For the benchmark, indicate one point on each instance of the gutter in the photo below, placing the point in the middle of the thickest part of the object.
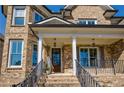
(76, 26)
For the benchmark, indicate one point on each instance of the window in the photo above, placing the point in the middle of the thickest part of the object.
(91, 22)
(82, 22)
(15, 54)
(37, 17)
(88, 57)
(87, 22)
(34, 55)
(19, 15)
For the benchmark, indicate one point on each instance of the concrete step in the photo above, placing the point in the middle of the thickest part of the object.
(62, 80)
(56, 84)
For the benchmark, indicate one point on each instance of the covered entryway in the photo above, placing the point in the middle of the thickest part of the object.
(75, 36)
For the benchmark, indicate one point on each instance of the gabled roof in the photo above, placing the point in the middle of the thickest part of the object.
(121, 22)
(106, 7)
(54, 20)
(108, 14)
(116, 20)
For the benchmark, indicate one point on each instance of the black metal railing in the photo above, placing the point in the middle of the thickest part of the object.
(86, 80)
(107, 66)
(101, 66)
(32, 79)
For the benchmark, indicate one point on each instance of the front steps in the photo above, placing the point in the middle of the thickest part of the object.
(62, 80)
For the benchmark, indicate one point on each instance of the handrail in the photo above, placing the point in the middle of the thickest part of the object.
(33, 77)
(108, 66)
(86, 80)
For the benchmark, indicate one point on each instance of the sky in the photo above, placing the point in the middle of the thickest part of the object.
(55, 8)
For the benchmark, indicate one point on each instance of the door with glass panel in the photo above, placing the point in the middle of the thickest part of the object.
(56, 59)
(88, 57)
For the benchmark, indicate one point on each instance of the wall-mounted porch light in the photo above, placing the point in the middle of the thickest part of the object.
(93, 42)
(54, 44)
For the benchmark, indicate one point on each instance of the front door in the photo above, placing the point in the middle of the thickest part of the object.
(56, 59)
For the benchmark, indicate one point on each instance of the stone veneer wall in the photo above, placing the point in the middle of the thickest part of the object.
(90, 12)
(67, 57)
(1, 51)
(115, 51)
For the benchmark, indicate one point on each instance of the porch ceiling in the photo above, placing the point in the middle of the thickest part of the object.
(80, 41)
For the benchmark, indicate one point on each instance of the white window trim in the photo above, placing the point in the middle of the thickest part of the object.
(98, 55)
(47, 20)
(38, 14)
(10, 49)
(13, 18)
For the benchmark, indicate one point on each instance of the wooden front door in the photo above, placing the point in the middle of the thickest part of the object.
(56, 59)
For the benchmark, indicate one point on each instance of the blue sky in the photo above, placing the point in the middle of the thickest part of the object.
(56, 8)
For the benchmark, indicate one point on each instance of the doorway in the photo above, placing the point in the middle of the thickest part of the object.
(56, 59)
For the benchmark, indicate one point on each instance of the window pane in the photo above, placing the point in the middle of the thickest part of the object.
(82, 22)
(14, 47)
(38, 17)
(34, 58)
(84, 57)
(87, 22)
(15, 55)
(19, 20)
(91, 22)
(15, 59)
(19, 47)
(35, 47)
(19, 13)
(93, 57)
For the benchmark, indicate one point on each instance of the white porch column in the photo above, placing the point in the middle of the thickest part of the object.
(74, 54)
(40, 41)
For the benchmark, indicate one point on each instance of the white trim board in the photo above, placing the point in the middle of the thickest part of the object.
(47, 20)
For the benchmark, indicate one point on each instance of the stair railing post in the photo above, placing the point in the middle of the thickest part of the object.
(96, 65)
(113, 66)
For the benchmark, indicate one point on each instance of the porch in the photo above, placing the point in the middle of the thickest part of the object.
(93, 46)
(93, 54)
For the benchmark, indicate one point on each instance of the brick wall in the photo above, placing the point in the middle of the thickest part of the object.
(90, 12)
(67, 57)
(15, 32)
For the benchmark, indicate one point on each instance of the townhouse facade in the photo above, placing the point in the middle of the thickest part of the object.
(89, 34)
